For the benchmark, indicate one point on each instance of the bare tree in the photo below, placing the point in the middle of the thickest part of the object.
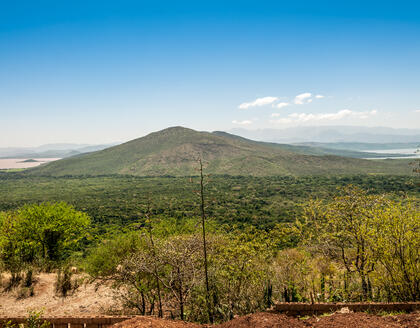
(155, 270)
(180, 254)
(203, 226)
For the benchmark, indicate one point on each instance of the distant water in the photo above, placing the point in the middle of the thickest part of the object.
(411, 152)
(17, 163)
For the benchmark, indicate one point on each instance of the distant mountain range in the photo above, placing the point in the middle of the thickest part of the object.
(50, 151)
(174, 151)
(317, 140)
(332, 134)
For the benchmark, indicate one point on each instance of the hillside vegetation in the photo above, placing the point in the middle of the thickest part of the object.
(260, 201)
(174, 151)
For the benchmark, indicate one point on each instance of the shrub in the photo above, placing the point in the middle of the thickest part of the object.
(34, 320)
(64, 284)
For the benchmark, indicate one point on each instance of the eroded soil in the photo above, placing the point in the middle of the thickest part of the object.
(274, 320)
(88, 299)
(91, 299)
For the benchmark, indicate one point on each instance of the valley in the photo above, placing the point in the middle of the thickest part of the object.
(129, 220)
(209, 164)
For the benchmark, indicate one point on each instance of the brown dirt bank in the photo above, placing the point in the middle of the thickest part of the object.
(98, 300)
(274, 320)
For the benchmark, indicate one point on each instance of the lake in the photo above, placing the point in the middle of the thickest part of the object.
(412, 152)
(19, 163)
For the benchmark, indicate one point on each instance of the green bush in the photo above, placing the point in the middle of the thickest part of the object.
(43, 235)
(34, 320)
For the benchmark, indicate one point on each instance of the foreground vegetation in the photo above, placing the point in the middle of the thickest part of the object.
(267, 239)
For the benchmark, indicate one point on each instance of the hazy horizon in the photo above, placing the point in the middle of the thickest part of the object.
(264, 134)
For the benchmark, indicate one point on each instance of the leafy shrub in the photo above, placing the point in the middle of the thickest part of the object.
(34, 320)
(41, 235)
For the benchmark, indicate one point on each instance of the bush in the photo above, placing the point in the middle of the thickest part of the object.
(41, 235)
(64, 284)
(34, 320)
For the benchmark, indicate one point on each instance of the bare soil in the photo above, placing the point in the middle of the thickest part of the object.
(275, 320)
(88, 299)
(264, 320)
(94, 300)
(153, 322)
(364, 320)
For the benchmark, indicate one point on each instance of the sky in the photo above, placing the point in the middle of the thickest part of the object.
(107, 71)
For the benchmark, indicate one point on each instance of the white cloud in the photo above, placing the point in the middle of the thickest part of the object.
(245, 122)
(275, 115)
(417, 111)
(304, 117)
(303, 98)
(282, 121)
(282, 104)
(258, 102)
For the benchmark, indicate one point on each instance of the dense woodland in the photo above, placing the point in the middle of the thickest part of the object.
(268, 239)
(240, 200)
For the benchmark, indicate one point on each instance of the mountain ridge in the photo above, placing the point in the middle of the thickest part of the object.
(175, 150)
(50, 150)
(330, 134)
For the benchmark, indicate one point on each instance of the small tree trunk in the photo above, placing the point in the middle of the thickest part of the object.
(181, 296)
(323, 287)
(143, 304)
(286, 295)
(346, 287)
(152, 306)
(369, 288)
(364, 287)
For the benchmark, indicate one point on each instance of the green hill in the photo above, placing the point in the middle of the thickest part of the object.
(174, 151)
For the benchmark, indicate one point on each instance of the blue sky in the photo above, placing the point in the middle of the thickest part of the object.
(98, 71)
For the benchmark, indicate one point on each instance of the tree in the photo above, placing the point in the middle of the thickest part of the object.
(181, 256)
(240, 267)
(371, 236)
(343, 231)
(15, 252)
(397, 248)
(37, 234)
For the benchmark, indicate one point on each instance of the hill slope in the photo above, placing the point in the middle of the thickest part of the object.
(174, 151)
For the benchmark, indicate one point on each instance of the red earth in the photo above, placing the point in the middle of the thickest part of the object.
(275, 320)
